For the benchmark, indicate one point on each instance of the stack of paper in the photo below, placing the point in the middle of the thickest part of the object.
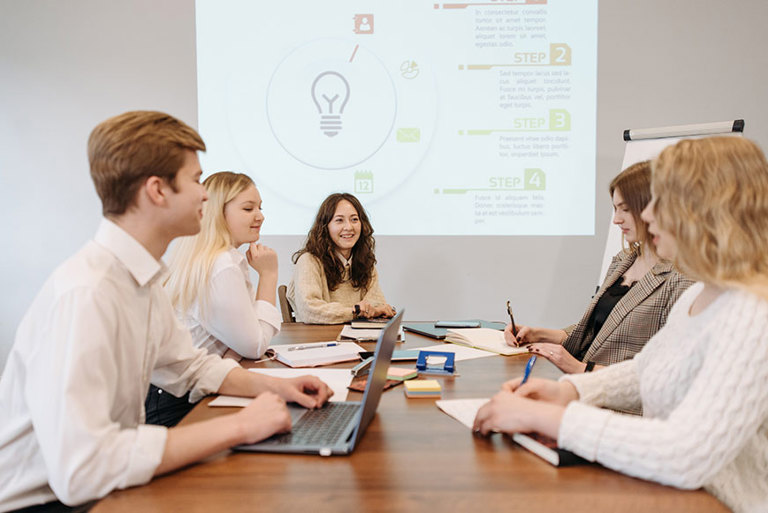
(369, 323)
(422, 388)
(483, 338)
(364, 334)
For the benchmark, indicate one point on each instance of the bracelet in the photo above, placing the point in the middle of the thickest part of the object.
(590, 366)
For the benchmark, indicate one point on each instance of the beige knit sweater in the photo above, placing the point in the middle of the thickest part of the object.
(313, 303)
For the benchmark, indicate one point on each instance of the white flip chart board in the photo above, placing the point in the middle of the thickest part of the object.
(646, 144)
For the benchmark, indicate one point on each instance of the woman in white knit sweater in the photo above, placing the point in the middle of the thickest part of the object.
(335, 278)
(702, 379)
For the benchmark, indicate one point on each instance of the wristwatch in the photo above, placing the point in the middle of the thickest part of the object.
(590, 366)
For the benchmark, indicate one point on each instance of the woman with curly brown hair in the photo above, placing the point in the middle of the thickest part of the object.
(335, 278)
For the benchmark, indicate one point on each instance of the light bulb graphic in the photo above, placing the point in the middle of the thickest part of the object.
(330, 92)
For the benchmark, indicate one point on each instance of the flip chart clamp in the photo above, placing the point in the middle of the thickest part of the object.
(448, 368)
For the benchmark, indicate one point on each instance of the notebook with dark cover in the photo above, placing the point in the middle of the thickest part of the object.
(428, 329)
(546, 448)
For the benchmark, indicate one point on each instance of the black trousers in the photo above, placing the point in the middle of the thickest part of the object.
(165, 409)
(56, 507)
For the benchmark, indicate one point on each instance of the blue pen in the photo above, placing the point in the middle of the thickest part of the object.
(313, 346)
(528, 369)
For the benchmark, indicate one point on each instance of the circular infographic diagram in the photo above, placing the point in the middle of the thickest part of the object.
(332, 115)
(331, 105)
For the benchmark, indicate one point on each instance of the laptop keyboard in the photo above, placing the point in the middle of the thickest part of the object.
(323, 426)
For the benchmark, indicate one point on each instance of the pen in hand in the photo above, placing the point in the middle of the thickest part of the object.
(528, 369)
(512, 320)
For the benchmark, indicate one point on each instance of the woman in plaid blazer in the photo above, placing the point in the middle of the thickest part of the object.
(633, 302)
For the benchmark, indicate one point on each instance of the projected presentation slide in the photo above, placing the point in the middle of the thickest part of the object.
(473, 118)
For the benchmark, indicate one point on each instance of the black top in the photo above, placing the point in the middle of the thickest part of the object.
(602, 310)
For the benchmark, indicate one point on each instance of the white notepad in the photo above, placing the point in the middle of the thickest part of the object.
(364, 334)
(463, 410)
(317, 353)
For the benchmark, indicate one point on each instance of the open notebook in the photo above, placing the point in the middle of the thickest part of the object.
(483, 338)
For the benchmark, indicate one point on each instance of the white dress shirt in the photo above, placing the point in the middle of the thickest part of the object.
(72, 393)
(233, 317)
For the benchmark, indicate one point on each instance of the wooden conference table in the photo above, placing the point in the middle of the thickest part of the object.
(413, 457)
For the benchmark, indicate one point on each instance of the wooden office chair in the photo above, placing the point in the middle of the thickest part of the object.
(285, 306)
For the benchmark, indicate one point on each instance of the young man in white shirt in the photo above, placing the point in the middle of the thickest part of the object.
(72, 393)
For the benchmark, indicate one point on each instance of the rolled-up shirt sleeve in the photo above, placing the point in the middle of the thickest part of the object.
(182, 368)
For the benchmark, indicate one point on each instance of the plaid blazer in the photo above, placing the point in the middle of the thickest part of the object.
(635, 318)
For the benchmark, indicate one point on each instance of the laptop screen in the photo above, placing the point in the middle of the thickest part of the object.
(377, 376)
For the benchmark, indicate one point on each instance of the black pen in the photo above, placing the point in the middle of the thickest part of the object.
(512, 319)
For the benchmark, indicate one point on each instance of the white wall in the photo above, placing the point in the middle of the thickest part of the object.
(65, 66)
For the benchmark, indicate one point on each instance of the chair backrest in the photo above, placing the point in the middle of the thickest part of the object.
(285, 306)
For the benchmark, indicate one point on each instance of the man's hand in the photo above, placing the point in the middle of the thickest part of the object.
(263, 417)
(308, 391)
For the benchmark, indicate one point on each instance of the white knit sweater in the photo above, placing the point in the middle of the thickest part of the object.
(703, 384)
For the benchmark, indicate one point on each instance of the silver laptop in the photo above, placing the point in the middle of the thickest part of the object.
(337, 427)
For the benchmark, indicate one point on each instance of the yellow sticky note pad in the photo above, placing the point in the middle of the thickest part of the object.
(422, 385)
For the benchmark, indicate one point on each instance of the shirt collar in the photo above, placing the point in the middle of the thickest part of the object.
(135, 257)
(238, 257)
(346, 263)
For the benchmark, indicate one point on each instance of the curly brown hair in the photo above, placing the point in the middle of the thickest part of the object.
(320, 245)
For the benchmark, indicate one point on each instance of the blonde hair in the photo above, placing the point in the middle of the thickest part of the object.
(192, 257)
(712, 195)
(125, 150)
(634, 185)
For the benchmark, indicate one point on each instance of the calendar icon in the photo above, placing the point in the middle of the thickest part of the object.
(363, 182)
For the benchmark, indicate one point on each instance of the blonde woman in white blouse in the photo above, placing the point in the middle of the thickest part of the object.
(210, 288)
(701, 380)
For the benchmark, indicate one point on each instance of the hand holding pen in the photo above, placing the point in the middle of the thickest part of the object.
(511, 332)
(517, 335)
(512, 320)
